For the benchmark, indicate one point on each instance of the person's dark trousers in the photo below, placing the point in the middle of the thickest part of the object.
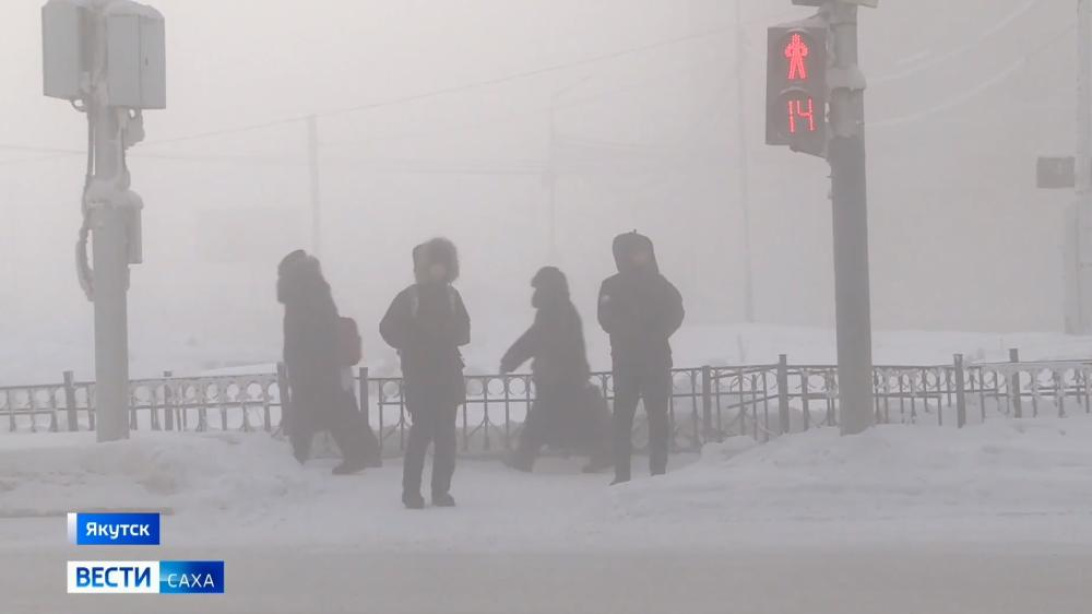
(436, 426)
(297, 426)
(352, 433)
(530, 441)
(300, 434)
(654, 388)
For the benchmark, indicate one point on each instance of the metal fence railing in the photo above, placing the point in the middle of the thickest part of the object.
(706, 404)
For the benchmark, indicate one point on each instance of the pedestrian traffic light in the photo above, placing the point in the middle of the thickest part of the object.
(796, 95)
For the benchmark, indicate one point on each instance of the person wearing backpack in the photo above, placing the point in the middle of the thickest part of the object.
(640, 310)
(316, 353)
(427, 323)
(568, 411)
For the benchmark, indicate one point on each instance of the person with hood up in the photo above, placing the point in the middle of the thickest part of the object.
(318, 399)
(640, 310)
(427, 323)
(568, 411)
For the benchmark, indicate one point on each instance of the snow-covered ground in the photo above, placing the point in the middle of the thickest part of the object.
(992, 519)
(1005, 482)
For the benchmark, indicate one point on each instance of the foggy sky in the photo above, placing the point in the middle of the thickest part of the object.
(963, 97)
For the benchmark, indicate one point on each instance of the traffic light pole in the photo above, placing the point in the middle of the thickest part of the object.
(850, 209)
(108, 207)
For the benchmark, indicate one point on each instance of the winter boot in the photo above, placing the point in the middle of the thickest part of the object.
(413, 501)
(597, 465)
(443, 500)
(349, 467)
(520, 462)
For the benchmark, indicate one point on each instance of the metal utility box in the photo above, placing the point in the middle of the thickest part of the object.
(1056, 173)
(65, 53)
(135, 56)
(136, 60)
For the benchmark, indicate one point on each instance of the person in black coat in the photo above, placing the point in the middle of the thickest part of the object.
(318, 400)
(427, 323)
(565, 411)
(640, 310)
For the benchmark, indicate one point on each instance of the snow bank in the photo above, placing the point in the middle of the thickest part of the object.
(989, 478)
(51, 474)
(1006, 482)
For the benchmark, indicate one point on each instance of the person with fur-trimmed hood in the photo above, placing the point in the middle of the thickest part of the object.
(318, 400)
(640, 310)
(427, 323)
(568, 411)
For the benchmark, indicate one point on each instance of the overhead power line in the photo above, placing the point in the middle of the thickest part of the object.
(472, 85)
(969, 94)
(930, 62)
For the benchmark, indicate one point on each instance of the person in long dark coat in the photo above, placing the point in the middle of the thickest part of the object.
(318, 400)
(427, 323)
(565, 412)
(640, 310)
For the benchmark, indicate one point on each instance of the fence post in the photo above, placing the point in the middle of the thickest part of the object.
(365, 401)
(70, 401)
(168, 402)
(707, 401)
(282, 387)
(1014, 385)
(961, 397)
(783, 393)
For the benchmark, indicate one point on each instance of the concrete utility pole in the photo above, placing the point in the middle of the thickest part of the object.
(110, 229)
(110, 56)
(551, 185)
(316, 194)
(850, 205)
(1079, 228)
(743, 158)
(552, 171)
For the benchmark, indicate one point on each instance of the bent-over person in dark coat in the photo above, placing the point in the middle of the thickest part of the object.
(568, 412)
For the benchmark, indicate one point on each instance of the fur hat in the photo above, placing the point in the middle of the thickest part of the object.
(625, 245)
(433, 251)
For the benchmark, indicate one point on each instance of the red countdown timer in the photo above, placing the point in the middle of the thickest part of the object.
(796, 96)
(800, 113)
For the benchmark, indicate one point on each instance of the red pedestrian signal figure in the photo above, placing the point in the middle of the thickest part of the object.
(797, 52)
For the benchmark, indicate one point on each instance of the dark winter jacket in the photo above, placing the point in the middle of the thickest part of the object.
(639, 308)
(555, 340)
(427, 323)
(310, 331)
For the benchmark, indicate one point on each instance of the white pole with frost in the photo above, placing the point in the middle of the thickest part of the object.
(744, 164)
(1079, 249)
(107, 58)
(316, 194)
(849, 192)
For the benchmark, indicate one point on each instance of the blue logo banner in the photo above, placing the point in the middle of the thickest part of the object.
(146, 577)
(189, 577)
(113, 529)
